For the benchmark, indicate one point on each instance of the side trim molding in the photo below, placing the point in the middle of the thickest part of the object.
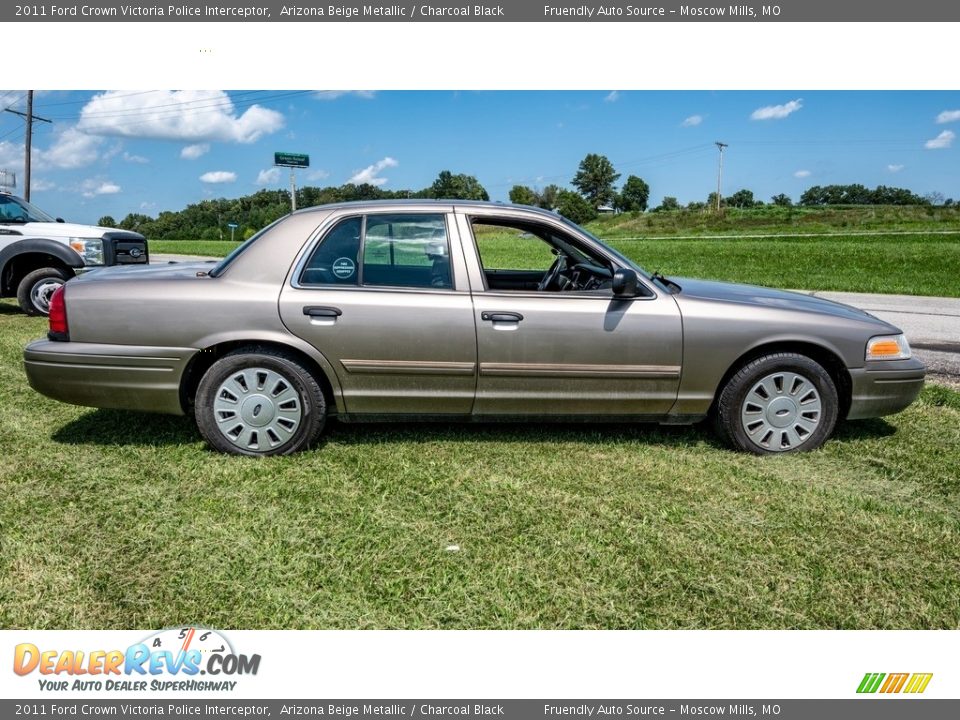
(653, 372)
(408, 367)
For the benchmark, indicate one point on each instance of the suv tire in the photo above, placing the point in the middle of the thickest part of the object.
(34, 291)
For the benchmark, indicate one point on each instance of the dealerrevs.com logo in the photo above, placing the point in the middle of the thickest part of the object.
(891, 683)
(173, 659)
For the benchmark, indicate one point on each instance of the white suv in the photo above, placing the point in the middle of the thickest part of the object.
(38, 253)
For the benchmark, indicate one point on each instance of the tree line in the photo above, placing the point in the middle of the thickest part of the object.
(594, 191)
(210, 219)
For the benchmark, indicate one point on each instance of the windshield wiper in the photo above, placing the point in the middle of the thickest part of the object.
(666, 282)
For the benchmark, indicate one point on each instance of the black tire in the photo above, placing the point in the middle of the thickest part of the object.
(264, 384)
(34, 291)
(785, 420)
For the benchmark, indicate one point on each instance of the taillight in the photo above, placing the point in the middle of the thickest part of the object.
(59, 330)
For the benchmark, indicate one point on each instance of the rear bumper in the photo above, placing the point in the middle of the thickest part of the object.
(885, 389)
(127, 377)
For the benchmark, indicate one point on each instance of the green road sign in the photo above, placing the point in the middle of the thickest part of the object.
(291, 159)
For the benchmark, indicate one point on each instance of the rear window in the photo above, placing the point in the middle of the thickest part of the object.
(218, 269)
(401, 250)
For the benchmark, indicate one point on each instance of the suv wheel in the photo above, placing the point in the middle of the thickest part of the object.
(259, 401)
(778, 403)
(37, 287)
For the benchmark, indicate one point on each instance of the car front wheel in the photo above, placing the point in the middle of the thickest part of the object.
(778, 403)
(36, 289)
(259, 401)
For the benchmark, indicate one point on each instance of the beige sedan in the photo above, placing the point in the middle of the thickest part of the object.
(460, 311)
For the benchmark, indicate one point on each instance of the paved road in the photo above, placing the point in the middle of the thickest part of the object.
(932, 324)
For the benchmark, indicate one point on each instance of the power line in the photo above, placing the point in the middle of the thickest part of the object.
(29, 117)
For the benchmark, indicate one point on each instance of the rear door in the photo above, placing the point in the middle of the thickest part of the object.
(384, 296)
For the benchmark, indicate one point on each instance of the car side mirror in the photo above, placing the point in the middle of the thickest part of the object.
(625, 283)
(60, 220)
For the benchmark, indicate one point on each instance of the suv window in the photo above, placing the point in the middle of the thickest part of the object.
(408, 250)
(13, 209)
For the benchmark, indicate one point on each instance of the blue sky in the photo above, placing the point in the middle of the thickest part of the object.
(115, 152)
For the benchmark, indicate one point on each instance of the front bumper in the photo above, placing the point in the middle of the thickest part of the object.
(885, 388)
(126, 377)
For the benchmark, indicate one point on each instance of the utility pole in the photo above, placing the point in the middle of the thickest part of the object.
(29, 117)
(293, 191)
(720, 147)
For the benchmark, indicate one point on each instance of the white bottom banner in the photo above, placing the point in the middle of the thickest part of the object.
(192, 661)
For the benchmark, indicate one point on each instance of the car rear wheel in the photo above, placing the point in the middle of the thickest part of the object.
(259, 401)
(36, 289)
(778, 403)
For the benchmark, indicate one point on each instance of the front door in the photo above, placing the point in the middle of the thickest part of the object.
(381, 297)
(565, 346)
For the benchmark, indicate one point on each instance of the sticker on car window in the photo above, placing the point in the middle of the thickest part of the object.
(344, 268)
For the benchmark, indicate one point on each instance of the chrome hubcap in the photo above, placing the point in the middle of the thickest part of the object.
(257, 409)
(41, 293)
(781, 411)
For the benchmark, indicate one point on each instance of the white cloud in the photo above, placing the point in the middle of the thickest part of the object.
(71, 149)
(93, 187)
(334, 94)
(941, 141)
(39, 184)
(11, 156)
(894, 168)
(192, 152)
(315, 175)
(692, 121)
(136, 159)
(613, 96)
(777, 112)
(111, 152)
(218, 176)
(268, 177)
(370, 174)
(192, 115)
(147, 205)
(802, 174)
(948, 116)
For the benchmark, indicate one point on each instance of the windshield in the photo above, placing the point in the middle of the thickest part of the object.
(15, 210)
(620, 256)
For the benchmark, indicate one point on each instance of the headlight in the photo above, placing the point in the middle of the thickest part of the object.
(888, 347)
(90, 249)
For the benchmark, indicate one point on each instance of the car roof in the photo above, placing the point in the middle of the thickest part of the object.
(425, 202)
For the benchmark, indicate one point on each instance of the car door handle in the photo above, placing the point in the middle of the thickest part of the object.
(511, 317)
(320, 315)
(325, 312)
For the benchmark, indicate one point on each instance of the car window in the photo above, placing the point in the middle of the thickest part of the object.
(510, 248)
(517, 255)
(407, 250)
(334, 261)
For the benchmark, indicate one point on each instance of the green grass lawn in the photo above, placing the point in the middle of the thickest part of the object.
(120, 520)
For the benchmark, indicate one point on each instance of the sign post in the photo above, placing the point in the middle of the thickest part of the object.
(232, 226)
(292, 161)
